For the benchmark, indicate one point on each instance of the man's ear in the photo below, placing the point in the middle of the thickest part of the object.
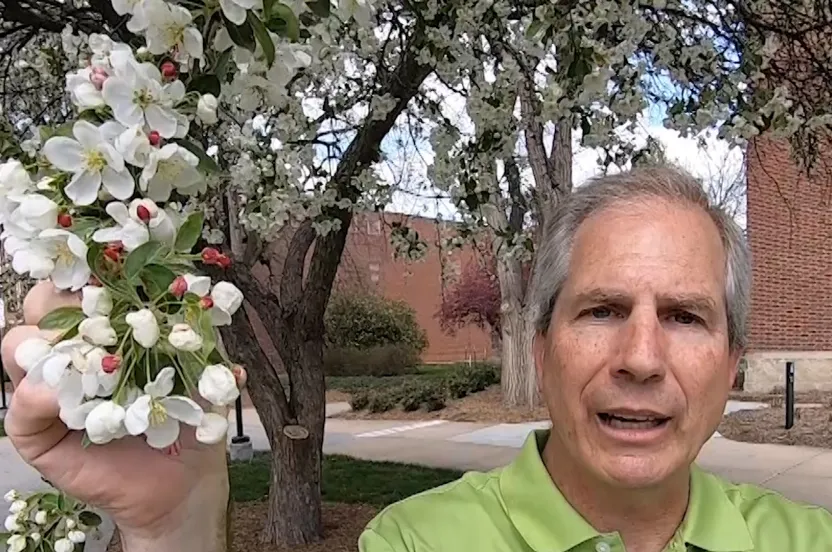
(539, 346)
(736, 357)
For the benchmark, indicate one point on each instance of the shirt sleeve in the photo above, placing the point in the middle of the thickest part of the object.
(372, 541)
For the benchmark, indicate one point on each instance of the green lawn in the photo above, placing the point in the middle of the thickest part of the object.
(345, 480)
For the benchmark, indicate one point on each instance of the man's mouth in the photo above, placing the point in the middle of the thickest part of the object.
(632, 421)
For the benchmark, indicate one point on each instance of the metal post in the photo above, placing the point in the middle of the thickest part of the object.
(3, 381)
(789, 395)
(238, 407)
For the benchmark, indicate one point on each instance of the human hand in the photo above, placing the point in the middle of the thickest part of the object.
(161, 501)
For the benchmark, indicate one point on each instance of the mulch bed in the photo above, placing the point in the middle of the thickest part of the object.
(486, 406)
(778, 397)
(343, 523)
(812, 427)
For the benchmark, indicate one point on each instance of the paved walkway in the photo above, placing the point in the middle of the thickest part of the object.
(801, 473)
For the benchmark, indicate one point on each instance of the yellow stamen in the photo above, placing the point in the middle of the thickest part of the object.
(158, 414)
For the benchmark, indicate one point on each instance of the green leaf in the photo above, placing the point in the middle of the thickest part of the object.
(280, 19)
(205, 84)
(221, 66)
(206, 164)
(49, 501)
(63, 318)
(241, 35)
(50, 132)
(320, 8)
(90, 519)
(535, 28)
(206, 330)
(189, 233)
(157, 279)
(263, 38)
(140, 258)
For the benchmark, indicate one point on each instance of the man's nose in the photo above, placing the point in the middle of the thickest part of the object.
(642, 347)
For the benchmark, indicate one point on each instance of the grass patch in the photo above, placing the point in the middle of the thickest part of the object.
(345, 480)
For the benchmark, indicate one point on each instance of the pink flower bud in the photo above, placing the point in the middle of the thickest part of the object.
(178, 287)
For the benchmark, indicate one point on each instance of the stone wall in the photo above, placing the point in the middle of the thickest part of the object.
(766, 371)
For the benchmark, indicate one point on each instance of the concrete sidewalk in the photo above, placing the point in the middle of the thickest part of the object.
(800, 473)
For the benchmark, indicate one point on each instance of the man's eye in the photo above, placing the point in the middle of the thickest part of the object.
(601, 312)
(685, 318)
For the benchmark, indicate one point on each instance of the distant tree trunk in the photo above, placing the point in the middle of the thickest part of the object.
(553, 181)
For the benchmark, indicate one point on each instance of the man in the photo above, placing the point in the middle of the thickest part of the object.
(643, 291)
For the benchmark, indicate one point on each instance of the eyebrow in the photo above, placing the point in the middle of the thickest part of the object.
(691, 301)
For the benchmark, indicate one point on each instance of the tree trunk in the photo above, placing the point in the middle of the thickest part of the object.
(295, 490)
(519, 381)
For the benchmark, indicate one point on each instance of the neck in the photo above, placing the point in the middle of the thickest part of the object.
(646, 519)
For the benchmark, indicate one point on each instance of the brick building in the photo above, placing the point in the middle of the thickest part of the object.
(790, 234)
(369, 265)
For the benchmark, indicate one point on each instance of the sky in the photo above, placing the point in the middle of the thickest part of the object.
(709, 163)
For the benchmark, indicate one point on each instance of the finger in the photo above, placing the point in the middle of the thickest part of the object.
(12, 340)
(240, 375)
(43, 299)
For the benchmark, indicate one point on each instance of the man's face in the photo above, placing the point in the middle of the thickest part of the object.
(636, 367)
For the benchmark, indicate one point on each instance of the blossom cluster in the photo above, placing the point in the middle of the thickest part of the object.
(93, 215)
(50, 517)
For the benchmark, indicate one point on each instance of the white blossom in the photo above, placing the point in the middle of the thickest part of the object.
(17, 506)
(145, 327)
(138, 97)
(92, 161)
(227, 299)
(206, 109)
(98, 331)
(130, 232)
(16, 543)
(170, 29)
(171, 167)
(212, 429)
(218, 385)
(137, 9)
(31, 352)
(76, 537)
(96, 301)
(105, 423)
(12, 524)
(41, 517)
(184, 338)
(11, 496)
(157, 415)
(235, 10)
(199, 285)
(58, 254)
(64, 545)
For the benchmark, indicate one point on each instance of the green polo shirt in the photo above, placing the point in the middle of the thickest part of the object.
(518, 509)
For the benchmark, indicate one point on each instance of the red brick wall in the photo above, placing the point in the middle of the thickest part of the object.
(369, 263)
(790, 234)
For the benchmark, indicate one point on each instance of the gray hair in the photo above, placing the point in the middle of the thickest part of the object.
(662, 183)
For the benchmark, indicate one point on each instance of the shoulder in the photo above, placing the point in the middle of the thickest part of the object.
(770, 517)
(437, 515)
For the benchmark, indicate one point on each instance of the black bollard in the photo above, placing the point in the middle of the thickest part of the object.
(789, 395)
(240, 437)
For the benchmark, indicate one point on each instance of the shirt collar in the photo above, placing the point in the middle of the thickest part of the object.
(539, 512)
(547, 522)
(713, 522)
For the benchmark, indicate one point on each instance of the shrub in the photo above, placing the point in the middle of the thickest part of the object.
(458, 386)
(430, 395)
(382, 402)
(384, 360)
(367, 321)
(480, 376)
(360, 400)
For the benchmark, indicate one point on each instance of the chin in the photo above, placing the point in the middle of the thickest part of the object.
(637, 472)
